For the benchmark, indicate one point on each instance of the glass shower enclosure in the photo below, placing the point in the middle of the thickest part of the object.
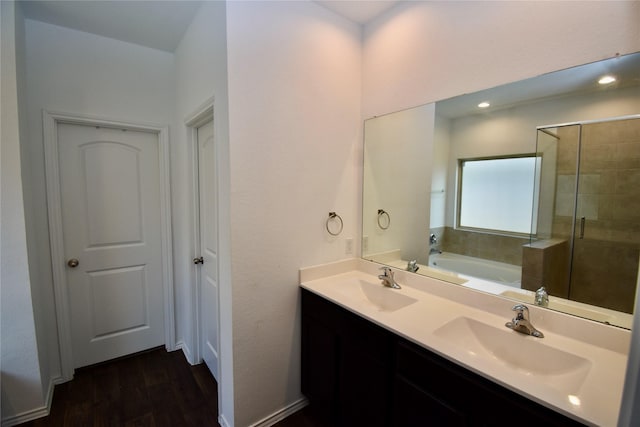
(588, 222)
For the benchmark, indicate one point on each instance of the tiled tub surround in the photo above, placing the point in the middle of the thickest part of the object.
(546, 263)
(494, 247)
(595, 401)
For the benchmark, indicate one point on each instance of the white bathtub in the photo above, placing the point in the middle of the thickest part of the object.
(498, 272)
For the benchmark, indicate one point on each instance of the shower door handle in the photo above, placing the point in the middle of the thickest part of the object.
(582, 228)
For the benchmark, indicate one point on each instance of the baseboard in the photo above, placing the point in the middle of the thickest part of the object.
(181, 345)
(223, 421)
(30, 415)
(282, 413)
(34, 414)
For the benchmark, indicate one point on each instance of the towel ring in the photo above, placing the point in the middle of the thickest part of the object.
(382, 213)
(333, 215)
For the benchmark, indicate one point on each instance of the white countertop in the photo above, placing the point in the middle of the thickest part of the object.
(604, 315)
(594, 400)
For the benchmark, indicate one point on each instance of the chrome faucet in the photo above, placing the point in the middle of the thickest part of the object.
(412, 266)
(521, 322)
(433, 239)
(542, 297)
(387, 278)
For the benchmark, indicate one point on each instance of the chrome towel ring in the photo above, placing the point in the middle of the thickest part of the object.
(381, 215)
(332, 218)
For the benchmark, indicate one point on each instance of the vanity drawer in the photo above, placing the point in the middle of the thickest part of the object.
(468, 398)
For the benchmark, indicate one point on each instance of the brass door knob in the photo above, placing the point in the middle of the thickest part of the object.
(198, 260)
(73, 263)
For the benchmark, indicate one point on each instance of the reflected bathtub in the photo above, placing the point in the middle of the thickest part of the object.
(498, 272)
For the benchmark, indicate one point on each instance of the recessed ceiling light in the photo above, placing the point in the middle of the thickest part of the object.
(483, 104)
(605, 80)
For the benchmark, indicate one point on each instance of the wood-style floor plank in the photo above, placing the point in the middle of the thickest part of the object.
(153, 388)
(149, 389)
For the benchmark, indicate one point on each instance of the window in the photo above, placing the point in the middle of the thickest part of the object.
(498, 194)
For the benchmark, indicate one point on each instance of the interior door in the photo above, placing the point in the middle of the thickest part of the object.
(208, 199)
(110, 197)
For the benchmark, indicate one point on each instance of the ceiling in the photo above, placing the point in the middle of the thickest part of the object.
(576, 80)
(158, 24)
(154, 24)
(359, 11)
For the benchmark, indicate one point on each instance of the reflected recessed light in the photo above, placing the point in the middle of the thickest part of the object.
(484, 104)
(605, 80)
(575, 400)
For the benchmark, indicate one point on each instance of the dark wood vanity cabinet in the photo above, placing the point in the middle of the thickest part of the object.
(355, 373)
(345, 365)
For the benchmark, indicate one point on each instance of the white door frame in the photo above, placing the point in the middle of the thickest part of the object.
(202, 115)
(50, 121)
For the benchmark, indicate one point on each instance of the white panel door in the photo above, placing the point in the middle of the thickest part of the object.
(110, 197)
(207, 175)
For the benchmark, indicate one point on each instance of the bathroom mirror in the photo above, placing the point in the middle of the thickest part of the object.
(538, 188)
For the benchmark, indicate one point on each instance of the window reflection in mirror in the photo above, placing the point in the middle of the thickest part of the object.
(420, 191)
(497, 194)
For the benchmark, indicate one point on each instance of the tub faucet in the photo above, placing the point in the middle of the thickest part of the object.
(521, 322)
(387, 278)
(412, 266)
(542, 297)
(432, 241)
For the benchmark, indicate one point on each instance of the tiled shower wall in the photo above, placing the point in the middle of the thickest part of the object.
(605, 262)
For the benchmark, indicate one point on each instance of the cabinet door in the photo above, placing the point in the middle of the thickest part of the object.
(414, 407)
(364, 381)
(319, 368)
(426, 392)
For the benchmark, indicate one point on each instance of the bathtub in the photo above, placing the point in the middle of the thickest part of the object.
(498, 272)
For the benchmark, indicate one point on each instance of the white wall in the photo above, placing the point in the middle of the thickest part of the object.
(295, 140)
(397, 178)
(76, 72)
(21, 382)
(201, 72)
(630, 410)
(45, 337)
(421, 52)
(440, 191)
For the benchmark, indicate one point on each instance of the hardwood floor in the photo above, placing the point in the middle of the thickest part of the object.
(152, 388)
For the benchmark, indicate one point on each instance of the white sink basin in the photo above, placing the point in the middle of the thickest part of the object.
(526, 355)
(375, 295)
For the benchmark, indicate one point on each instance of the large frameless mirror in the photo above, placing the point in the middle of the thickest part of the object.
(527, 185)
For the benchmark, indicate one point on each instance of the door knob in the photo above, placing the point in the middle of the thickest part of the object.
(198, 260)
(73, 263)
